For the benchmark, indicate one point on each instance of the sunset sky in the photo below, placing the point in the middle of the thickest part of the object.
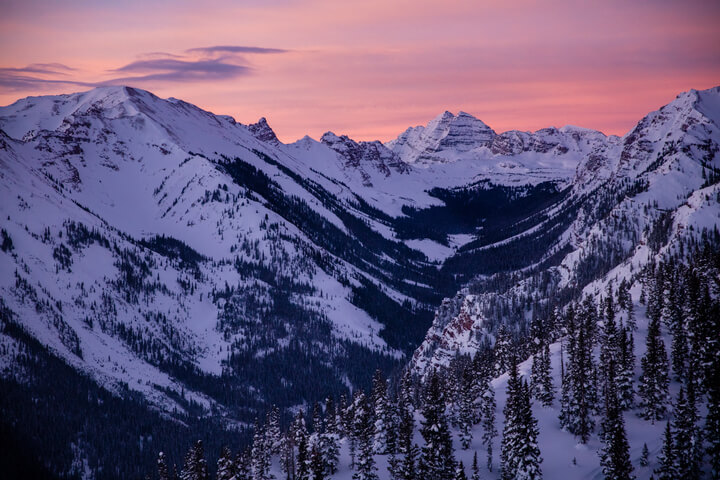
(370, 69)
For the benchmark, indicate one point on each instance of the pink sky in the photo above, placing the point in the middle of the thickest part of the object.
(370, 69)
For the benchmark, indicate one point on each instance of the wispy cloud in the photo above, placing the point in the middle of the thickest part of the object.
(36, 75)
(220, 62)
(171, 69)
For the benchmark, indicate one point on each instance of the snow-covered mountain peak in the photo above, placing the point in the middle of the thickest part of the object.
(445, 132)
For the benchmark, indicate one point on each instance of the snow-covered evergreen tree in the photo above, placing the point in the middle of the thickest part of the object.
(653, 387)
(488, 408)
(469, 413)
(645, 456)
(475, 475)
(712, 421)
(381, 413)
(260, 455)
(195, 466)
(615, 451)
(626, 369)
(503, 350)
(460, 472)
(579, 389)
(363, 429)
(437, 461)
(688, 438)
(225, 465)
(162, 467)
(667, 458)
(520, 454)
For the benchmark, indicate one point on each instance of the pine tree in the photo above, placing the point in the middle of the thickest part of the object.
(272, 431)
(520, 455)
(195, 466)
(329, 447)
(381, 413)
(260, 456)
(225, 465)
(406, 427)
(469, 413)
(712, 421)
(688, 441)
(625, 303)
(318, 424)
(653, 388)
(644, 457)
(162, 468)
(475, 469)
(330, 416)
(242, 466)
(579, 390)
(615, 452)
(667, 459)
(303, 458)
(546, 393)
(503, 350)
(460, 472)
(488, 409)
(626, 369)
(437, 461)
(363, 430)
(317, 466)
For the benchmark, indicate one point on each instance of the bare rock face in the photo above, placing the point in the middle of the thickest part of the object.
(365, 156)
(262, 131)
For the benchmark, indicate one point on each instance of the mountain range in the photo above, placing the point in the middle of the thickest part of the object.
(182, 266)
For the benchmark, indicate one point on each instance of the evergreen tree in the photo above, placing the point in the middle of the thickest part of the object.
(381, 413)
(460, 472)
(579, 391)
(488, 409)
(520, 455)
(410, 451)
(318, 424)
(688, 442)
(437, 461)
(625, 303)
(317, 465)
(667, 458)
(329, 447)
(303, 458)
(653, 388)
(470, 407)
(195, 466)
(260, 456)
(503, 350)
(615, 452)
(644, 457)
(546, 393)
(330, 416)
(225, 465)
(712, 421)
(242, 466)
(363, 429)
(273, 434)
(475, 469)
(626, 369)
(162, 468)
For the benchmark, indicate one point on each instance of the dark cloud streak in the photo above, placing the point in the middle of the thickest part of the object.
(234, 49)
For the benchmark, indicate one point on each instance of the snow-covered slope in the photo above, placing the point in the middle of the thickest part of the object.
(203, 264)
(633, 199)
